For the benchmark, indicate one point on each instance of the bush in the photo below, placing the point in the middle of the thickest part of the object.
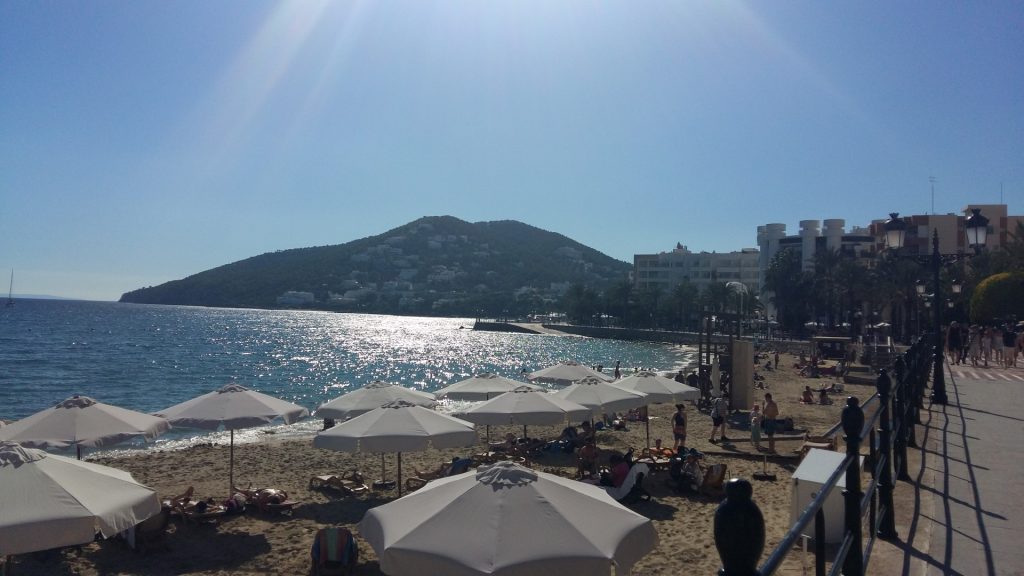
(998, 298)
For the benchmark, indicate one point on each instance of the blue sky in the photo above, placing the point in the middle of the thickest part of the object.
(144, 141)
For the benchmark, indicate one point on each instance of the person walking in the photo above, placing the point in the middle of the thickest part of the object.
(1009, 347)
(679, 427)
(771, 413)
(719, 411)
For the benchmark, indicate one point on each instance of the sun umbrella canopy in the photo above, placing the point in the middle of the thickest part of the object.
(51, 501)
(657, 388)
(527, 407)
(600, 396)
(397, 427)
(481, 387)
(566, 373)
(486, 523)
(82, 421)
(232, 406)
(370, 397)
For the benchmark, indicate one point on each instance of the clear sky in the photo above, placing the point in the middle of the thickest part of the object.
(142, 141)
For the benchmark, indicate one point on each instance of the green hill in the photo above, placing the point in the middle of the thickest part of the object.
(435, 265)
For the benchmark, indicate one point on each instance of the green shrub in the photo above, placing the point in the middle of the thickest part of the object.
(998, 297)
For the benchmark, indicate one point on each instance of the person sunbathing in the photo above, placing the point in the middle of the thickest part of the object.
(262, 497)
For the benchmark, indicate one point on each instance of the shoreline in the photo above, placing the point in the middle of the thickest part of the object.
(255, 544)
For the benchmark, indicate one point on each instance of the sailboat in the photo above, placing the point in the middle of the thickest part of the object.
(10, 293)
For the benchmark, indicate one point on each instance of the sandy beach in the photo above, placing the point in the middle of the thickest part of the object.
(256, 543)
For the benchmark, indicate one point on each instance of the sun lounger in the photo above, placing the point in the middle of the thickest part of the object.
(655, 459)
(268, 500)
(350, 483)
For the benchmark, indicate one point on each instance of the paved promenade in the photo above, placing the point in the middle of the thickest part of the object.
(963, 511)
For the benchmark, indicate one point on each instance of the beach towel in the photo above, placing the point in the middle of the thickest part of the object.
(335, 549)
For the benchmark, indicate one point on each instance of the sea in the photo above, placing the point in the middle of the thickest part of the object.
(150, 357)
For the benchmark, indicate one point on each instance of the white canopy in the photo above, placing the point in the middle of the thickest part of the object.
(657, 388)
(370, 397)
(600, 396)
(507, 520)
(232, 406)
(82, 421)
(397, 427)
(481, 387)
(566, 373)
(49, 501)
(527, 407)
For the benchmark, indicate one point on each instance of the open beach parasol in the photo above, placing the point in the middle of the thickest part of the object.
(370, 397)
(507, 520)
(50, 501)
(81, 421)
(600, 396)
(527, 407)
(481, 387)
(232, 406)
(397, 427)
(658, 389)
(566, 373)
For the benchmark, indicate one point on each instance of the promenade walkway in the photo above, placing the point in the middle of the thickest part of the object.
(963, 512)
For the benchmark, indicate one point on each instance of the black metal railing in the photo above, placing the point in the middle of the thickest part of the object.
(888, 431)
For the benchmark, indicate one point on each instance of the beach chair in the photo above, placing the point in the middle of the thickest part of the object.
(334, 553)
(151, 533)
(714, 480)
(350, 483)
(633, 480)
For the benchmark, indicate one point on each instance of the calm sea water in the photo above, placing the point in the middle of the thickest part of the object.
(150, 357)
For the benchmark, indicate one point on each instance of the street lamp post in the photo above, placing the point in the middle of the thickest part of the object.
(895, 234)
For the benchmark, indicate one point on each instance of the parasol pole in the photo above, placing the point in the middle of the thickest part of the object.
(399, 474)
(231, 467)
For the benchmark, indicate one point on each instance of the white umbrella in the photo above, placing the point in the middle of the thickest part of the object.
(50, 501)
(232, 406)
(370, 397)
(507, 520)
(601, 396)
(481, 387)
(658, 389)
(566, 373)
(81, 421)
(397, 427)
(527, 407)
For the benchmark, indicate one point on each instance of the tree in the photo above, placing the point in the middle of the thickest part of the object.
(683, 301)
(998, 298)
(791, 289)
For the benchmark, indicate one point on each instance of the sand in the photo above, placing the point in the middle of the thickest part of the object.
(256, 543)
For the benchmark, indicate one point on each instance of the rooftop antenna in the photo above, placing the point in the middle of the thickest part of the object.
(932, 180)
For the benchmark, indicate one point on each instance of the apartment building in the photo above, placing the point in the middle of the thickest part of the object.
(666, 269)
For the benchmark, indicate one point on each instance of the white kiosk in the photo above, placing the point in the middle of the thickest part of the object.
(808, 480)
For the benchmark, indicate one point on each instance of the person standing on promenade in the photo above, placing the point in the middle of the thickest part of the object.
(771, 413)
(618, 373)
(679, 428)
(1009, 347)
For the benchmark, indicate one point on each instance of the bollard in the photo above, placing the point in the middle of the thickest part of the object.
(853, 423)
(887, 527)
(739, 530)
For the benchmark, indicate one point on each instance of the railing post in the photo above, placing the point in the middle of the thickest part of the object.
(887, 528)
(853, 423)
(739, 530)
(905, 432)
